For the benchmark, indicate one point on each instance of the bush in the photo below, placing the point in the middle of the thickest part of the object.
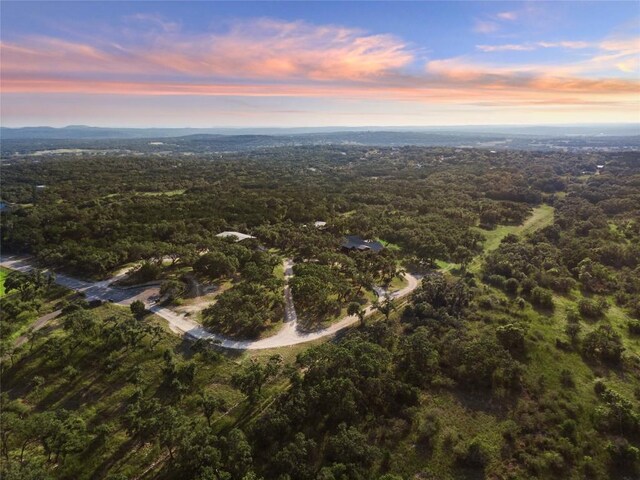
(511, 286)
(147, 272)
(603, 344)
(472, 455)
(634, 327)
(138, 309)
(496, 280)
(573, 330)
(511, 336)
(593, 308)
(624, 456)
(542, 297)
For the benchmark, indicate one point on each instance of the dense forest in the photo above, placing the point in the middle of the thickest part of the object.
(518, 357)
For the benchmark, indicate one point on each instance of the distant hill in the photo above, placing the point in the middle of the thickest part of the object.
(78, 132)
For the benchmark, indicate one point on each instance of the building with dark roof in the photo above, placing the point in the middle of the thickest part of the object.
(355, 243)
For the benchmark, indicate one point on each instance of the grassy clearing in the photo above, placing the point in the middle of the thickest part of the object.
(391, 246)
(446, 266)
(3, 275)
(541, 217)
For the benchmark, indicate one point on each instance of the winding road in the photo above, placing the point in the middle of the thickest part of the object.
(288, 335)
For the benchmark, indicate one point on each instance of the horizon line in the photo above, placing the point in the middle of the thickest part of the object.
(335, 126)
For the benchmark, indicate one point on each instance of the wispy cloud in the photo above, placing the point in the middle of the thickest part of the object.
(608, 55)
(154, 20)
(274, 58)
(510, 16)
(263, 48)
(485, 26)
(529, 46)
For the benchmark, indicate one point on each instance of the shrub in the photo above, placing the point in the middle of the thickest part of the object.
(542, 297)
(511, 286)
(634, 327)
(593, 308)
(566, 379)
(147, 272)
(473, 454)
(428, 429)
(573, 330)
(138, 309)
(624, 456)
(496, 280)
(511, 336)
(603, 344)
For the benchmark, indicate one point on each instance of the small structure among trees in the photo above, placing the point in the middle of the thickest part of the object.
(236, 235)
(355, 243)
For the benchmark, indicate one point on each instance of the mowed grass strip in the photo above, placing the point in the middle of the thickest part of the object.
(541, 217)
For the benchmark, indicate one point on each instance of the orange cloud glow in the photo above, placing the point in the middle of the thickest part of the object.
(269, 58)
(261, 48)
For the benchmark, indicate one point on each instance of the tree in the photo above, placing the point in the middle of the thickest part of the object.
(385, 306)
(210, 404)
(253, 376)
(419, 358)
(355, 309)
(463, 256)
(239, 456)
(147, 272)
(138, 309)
(172, 289)
(82, 325)
(171, 428)
(216, 264)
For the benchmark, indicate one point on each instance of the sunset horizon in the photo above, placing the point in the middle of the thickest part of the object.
(241, 64)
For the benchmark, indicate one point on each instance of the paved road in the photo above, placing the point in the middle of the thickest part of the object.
(288, 335)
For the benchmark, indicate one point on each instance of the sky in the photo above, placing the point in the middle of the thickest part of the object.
(302, 64)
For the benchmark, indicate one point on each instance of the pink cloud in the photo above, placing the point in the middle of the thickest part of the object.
(272, 58)
(258, 49)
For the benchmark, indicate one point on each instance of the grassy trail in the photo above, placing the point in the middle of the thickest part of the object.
(541, 217)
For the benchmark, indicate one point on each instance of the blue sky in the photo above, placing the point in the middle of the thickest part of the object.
(319, 63)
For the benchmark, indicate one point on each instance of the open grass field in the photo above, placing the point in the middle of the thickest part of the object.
(541, 217)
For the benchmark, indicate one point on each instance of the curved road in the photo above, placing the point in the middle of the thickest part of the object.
(288, 335)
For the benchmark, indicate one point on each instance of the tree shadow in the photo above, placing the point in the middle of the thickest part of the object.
(483, 401)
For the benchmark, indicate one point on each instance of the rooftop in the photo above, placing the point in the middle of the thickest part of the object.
(238, 236)
(354, 242)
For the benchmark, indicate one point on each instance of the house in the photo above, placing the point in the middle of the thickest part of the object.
(355, 243)
(237, 235)
(320, 225)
